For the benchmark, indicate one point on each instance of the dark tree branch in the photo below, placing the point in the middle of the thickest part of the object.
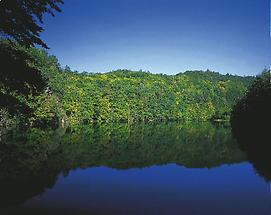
(21, 19)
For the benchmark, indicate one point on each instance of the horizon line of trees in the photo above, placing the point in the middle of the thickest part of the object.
(57, 94)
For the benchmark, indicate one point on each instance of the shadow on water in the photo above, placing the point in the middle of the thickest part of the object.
(257, 151)
(254, 140)
(32, 161)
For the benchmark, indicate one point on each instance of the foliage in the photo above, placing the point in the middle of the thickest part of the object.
(250, 122)
(130, 96)
(252, 113)
(20, 19)
(19, 79)
(6, 121)
(255, 105)
(24, 91)
(124, 95)
(17, 70)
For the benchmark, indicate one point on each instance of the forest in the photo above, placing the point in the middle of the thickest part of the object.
(49, 95)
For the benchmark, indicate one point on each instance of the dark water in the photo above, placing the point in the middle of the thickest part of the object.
(120, 169)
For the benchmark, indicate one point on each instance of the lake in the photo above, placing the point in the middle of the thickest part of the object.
(119, 169)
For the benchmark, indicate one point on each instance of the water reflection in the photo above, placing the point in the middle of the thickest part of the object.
(122, 169)
(254, 139)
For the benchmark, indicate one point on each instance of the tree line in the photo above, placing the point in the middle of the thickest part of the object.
(49, 95)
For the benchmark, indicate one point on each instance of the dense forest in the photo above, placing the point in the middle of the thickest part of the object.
(251, 114)
(49, 95)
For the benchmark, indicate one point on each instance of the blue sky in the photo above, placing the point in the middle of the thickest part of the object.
(162, 36)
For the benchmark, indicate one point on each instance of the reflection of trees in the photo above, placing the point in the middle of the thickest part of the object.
(123, 147)
(251, 124)
(31, 162)
(18, 190)
(258, 153)
(23, 170)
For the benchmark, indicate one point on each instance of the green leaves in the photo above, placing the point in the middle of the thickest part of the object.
(126, 96)
(132, 96)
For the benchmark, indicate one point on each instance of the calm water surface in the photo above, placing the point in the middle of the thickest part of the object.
(120, 169)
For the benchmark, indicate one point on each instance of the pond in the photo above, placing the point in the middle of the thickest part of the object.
(120, 169)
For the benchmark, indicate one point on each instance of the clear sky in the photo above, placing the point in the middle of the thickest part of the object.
(162, 36)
